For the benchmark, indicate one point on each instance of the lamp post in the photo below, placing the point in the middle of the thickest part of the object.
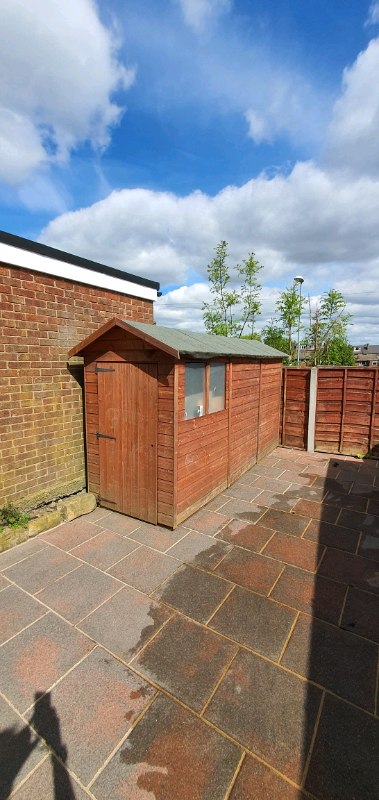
(300, 281)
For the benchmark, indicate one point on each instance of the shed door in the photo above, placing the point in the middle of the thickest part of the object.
(128, 409)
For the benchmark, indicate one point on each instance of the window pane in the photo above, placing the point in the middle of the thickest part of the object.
(216, 387)
(195, 390)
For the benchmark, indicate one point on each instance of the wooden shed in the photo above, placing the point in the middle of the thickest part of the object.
(174, 417)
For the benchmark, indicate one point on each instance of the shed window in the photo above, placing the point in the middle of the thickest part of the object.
(216, 387)
(195, 390)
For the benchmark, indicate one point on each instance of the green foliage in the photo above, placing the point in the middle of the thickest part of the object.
(256, 336)
(13, 517)
(289, 307)
(220, 315)
(327, 332)
(274, 336)
(250, 291)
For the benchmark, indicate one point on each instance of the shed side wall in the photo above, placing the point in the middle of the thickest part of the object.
(41, 318)
(117, 345)
(270, 402)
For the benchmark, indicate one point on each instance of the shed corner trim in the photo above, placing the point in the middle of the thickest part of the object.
(115, 322)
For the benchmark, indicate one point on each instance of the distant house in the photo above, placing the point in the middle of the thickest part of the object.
(366, 355)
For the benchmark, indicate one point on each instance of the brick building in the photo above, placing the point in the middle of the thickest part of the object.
(50, 301)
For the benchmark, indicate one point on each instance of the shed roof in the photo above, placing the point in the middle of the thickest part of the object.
(178, 343)
(206, 345)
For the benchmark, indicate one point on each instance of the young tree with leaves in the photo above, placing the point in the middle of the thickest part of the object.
(289, 306)
(221, 316)
(327, 332)
(250, 292)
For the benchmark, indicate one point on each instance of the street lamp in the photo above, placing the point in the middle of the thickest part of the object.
(300, 281)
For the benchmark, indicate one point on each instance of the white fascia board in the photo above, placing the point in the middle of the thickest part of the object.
(60, 269)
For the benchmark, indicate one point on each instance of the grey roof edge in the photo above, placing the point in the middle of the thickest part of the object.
(204, 345)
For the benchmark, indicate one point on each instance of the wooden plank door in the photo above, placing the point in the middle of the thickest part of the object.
(128, 464)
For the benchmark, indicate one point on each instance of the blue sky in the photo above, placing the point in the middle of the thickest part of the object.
(141, 133)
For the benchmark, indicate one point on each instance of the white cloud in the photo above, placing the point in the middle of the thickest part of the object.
(322, 224)
(353, 136)
(373, 15)
(58, 70)
(198, 12)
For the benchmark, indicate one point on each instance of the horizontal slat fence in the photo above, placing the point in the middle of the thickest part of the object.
(347, 409)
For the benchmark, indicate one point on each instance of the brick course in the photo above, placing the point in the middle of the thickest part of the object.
(41, 410)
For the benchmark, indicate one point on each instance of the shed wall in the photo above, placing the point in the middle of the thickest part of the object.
(41, 318)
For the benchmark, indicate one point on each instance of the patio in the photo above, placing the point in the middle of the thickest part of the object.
(235, 657)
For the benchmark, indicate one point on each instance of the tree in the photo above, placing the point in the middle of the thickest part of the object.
(250, 291)
(218, 316)
(231, 310)
(327, 332)
(274, 336)
(289, 306)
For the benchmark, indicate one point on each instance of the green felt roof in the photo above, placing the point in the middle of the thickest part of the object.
(206, 345)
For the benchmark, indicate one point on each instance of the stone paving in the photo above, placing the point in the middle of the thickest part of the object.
(235, 657)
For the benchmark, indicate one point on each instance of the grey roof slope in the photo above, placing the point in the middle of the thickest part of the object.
(206, 345)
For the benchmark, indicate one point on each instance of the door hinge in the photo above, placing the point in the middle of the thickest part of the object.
(104, 500)
(99, 369)
(103, 436)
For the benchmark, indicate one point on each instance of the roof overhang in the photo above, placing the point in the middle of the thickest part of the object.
(120, 323)
(19, 252)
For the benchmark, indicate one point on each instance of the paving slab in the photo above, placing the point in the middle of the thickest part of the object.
(351, 569)
(77, 594)
(125, 623)
(345, 664)
(199, 550)
(285, 522)
(205, 521)
(345, 757)
(312, 594)
(267, 710)
(119, 523)
(186, 659)
(20, 552)
(250, 570)
(195, 593)
(298, 552)
(361, 614)
(108, 698)
(245, 534)
(256, 781)
(155, 536)
(170, 754)
(20, 750)
(71, 534)
(254, 621)
(51, 781)
(144, 569)
(105, 549)
(37, 657)
(332, 535)
(41, 569)
(17, 611)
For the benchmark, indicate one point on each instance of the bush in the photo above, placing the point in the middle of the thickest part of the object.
(13, 517)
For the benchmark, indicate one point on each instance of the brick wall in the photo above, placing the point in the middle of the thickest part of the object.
(41, 411)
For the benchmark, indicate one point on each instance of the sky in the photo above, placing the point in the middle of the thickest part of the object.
(140, 134)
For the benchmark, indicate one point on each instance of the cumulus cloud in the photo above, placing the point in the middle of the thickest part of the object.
(59, 68)
(353, 139)
(309, 217)
(198, 12)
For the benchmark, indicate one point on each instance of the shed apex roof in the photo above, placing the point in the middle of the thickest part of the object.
(206, 345)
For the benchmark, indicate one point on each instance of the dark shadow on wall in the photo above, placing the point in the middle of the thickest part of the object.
(17, 746)
(77, 372)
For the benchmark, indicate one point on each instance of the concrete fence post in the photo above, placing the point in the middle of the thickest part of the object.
(312, 410)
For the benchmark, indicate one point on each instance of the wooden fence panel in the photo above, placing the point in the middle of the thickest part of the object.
(347, 409)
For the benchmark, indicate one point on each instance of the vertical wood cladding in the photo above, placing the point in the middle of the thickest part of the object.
(41, 318)
(347, 409)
